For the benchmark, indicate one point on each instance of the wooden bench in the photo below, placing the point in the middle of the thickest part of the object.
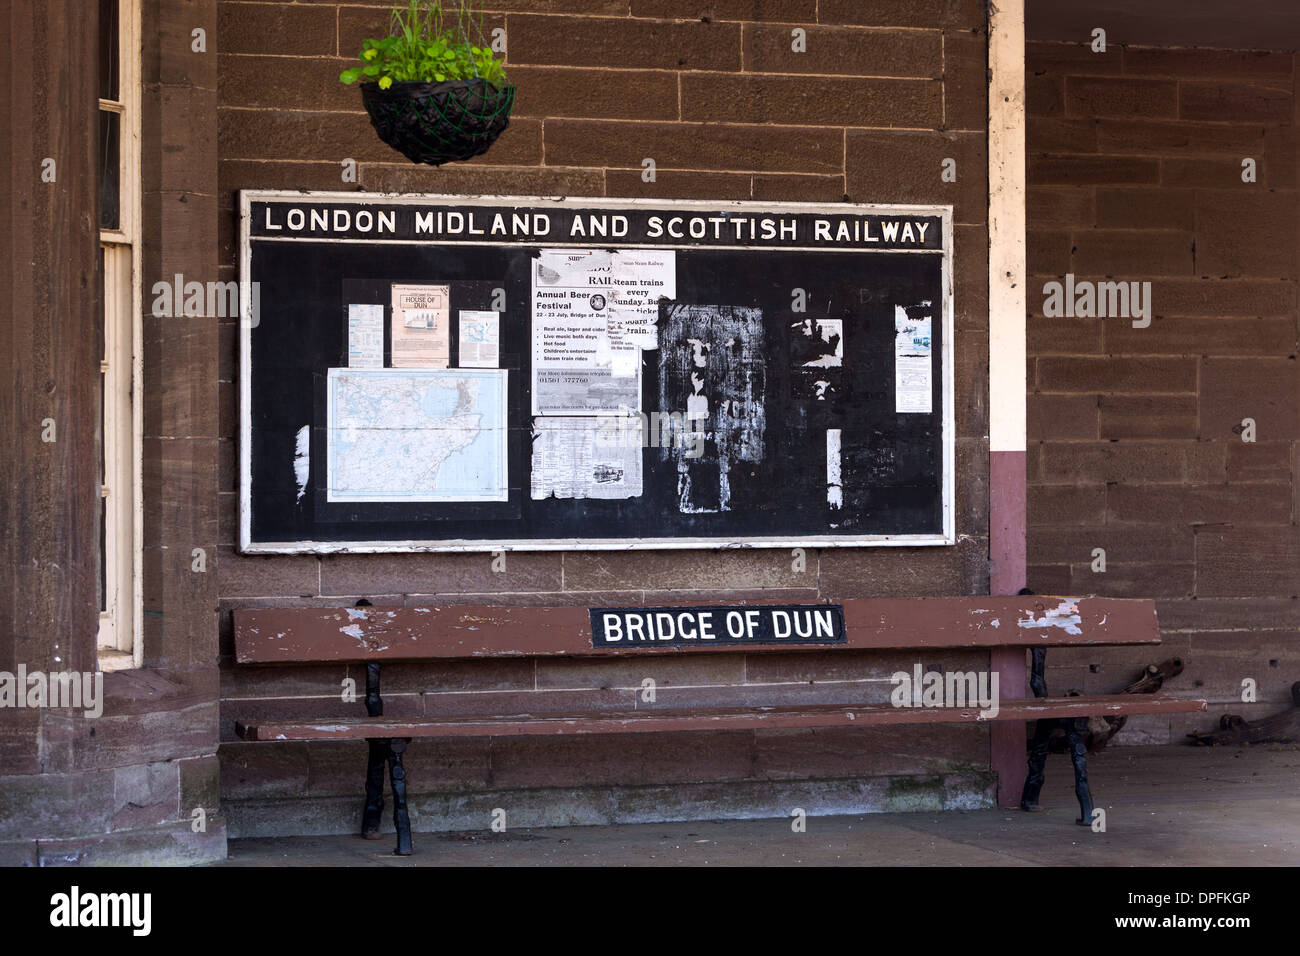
(373, 635)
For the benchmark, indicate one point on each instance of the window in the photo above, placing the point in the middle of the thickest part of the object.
(120, 423)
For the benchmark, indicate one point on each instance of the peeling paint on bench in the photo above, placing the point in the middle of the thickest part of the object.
(1065, 616)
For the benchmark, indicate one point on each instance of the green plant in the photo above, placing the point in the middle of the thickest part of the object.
(425, 45)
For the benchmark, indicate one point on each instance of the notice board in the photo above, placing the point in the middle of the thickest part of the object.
(447, 373)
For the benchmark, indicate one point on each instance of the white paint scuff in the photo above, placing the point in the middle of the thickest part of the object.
(1065, 616)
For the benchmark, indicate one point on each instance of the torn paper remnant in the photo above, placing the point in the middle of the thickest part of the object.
(302, 460)
(834, 486)
(587, 457)
(817, 343)
(712, 361)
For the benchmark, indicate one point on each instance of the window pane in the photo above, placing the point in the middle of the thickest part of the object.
(108, 57)
(109, 127)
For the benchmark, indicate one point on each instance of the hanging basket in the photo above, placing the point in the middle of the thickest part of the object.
(438, 123)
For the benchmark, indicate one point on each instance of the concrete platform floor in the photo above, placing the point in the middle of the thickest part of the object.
(1165, 806)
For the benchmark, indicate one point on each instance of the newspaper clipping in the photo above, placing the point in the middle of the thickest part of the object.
(576, 458)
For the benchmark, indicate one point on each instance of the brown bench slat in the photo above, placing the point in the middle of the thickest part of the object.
(731, 718)
(297, 635)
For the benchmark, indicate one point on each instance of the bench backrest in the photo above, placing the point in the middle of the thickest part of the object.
(289, 635)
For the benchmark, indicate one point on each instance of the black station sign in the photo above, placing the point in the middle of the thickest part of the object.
(627, 627)
(303, 218)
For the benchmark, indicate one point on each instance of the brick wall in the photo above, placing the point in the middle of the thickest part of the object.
(1135, 444)
(713, 93)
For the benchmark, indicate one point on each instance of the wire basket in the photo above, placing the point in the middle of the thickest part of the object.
(436, 123)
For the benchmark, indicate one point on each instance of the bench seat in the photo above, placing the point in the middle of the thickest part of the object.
(1006, 627)
(722, 718)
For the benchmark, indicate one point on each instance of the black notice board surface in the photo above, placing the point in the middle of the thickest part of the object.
(798, 391)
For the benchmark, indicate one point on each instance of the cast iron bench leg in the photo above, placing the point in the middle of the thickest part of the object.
(1042, 733)
(374, 809)
(1037, 763)
(1075, 731)
(373, 812)
(397, 774)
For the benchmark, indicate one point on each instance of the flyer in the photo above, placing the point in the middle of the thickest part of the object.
(420, 326)
(913, 388)
(574, 372)
(575, 458)
(365, 336)
(639, 278)
(480, 339)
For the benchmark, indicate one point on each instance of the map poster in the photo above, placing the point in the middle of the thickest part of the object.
(421, 326)
(480, 339)
(912, 361)
(416, 435)
(574, 371)
(581, 458)
(365, 336)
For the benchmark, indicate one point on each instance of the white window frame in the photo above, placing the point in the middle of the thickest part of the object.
(119, 640)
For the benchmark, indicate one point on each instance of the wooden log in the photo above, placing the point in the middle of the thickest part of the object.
(1102, 729)
(1283, 728)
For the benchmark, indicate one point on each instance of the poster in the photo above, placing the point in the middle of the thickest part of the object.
(586, 458)
(416, 435)
(912, 360)
(365, 336)
(574, 372)
(420, 326)
(639, 278)
(480, 339)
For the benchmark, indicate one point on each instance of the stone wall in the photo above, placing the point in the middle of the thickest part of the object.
(1136, 433)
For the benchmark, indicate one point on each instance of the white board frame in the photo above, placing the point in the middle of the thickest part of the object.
(948, 469)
